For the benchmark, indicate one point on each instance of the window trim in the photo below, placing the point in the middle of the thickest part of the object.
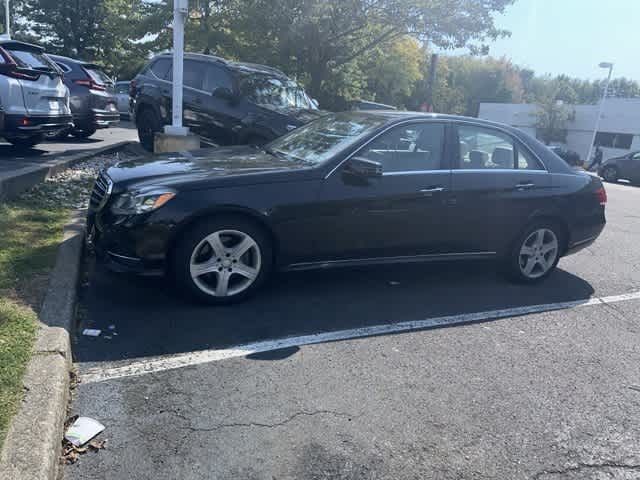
(445, 147)
(517, 145)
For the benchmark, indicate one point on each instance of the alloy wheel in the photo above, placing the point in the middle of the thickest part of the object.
(538, 253)
(225, 263)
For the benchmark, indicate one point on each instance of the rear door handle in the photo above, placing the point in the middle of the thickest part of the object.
(525, 185)
(431, 190)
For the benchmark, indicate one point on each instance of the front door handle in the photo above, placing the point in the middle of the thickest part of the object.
(525, 185)
(432, 190)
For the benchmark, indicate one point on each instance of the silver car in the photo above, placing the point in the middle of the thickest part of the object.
(33, 98)
(122, 98)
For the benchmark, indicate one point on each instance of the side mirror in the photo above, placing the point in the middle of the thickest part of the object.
(364, 168)
(224, 94)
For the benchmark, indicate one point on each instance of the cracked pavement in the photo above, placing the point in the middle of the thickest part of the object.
(549, 396)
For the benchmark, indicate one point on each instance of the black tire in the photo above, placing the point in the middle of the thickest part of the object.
(514, 260)
(24, 143)
(83, 133)
(188, 246)
(610, 174)
(148, 124)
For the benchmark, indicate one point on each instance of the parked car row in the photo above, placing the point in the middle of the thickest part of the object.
(49, 96)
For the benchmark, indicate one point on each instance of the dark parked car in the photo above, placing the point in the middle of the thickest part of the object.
(351, 188)
(224, 102)
(626, 167)
(92, 99)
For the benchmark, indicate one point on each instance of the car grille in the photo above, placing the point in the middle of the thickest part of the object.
(101, 192)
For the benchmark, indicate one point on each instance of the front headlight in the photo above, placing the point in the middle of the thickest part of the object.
(133, 203)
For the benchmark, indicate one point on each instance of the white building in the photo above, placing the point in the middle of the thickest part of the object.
(619, 130)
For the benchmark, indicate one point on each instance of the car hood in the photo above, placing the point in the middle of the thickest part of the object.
(201, 165)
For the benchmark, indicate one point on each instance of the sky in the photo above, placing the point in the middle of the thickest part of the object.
(572, 36)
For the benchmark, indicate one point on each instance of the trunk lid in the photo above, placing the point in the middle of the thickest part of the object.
(46, 94)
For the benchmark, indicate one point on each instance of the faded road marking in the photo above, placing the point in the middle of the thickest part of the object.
(171, 362)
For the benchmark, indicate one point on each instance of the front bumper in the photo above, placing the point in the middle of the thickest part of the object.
(28, 125)
(129, 245)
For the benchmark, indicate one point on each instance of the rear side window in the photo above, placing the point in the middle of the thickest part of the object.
(193, 74)
(33, 60)
(161, 69)
(216, 77)
(487, 149)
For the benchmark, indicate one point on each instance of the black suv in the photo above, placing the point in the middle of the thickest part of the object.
(92, 97)
(224, 102)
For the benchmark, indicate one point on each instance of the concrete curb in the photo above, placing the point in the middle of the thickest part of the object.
(33, 445)
(12, 183)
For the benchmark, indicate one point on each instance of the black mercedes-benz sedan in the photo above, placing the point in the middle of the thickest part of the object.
(348, 189)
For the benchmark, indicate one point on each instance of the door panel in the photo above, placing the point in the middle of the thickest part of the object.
(496, 189)
(402, 212)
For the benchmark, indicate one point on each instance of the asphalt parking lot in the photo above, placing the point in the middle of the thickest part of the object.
(553, 394)
(12, 158)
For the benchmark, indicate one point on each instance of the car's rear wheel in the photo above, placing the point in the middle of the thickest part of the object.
(86, 133)
(223, 260)
(610, 174)
(536, 253)
(148, 124)
(26, 142)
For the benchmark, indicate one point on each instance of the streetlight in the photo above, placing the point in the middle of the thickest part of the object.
(604, 96)
(180, 10)
(7, 30)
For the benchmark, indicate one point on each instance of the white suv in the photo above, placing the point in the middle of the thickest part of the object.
(33, 98)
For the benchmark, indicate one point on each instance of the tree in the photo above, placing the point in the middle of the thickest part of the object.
(552, 118)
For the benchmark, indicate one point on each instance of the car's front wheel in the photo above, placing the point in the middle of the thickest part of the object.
(148, 124)
(223, 260)
(535, 253)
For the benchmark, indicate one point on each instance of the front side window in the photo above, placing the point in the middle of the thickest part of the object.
(408, 148)
(274, 92)
(320, 140)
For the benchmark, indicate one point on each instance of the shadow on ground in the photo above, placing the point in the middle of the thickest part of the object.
(150, 318)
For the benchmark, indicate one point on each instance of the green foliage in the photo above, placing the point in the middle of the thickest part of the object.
(551, 121)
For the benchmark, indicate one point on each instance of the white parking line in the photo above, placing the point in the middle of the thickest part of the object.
(159, 364)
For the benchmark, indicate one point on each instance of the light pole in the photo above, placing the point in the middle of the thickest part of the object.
(7, 30)
(180, 10)
(604, 96)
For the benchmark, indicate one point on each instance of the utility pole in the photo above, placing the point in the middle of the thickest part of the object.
(7, 30)
(604, 97)
(180, 11)
(431, 81)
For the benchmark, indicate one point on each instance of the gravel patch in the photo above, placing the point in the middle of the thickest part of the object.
(72, 187)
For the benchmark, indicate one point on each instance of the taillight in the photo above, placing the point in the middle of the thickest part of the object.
(601, 193)
(91, 84)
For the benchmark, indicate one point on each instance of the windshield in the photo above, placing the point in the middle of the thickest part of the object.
(275, 92)
(320, 140)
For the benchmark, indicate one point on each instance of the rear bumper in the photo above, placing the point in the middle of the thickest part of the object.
(26, 125)
(584, 237)
(97, 119)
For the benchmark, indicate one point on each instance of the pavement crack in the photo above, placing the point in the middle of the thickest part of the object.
(269, 425)
(588, 466)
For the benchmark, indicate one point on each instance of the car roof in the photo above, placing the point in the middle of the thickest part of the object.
(61, 58)
(242, 67)
(8, 43)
